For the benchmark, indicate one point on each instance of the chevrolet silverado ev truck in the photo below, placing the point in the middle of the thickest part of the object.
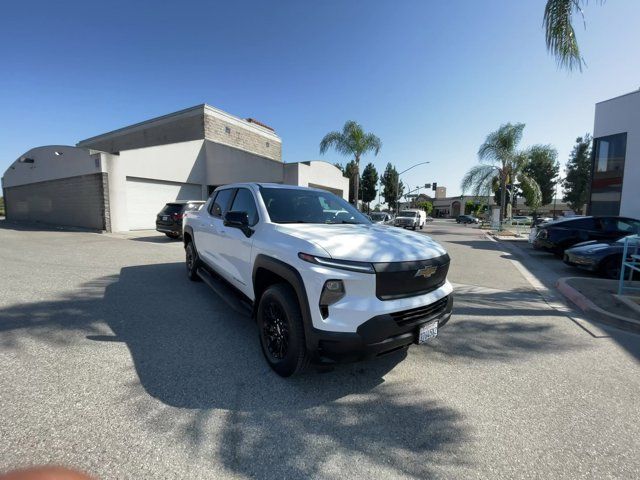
(323, 283)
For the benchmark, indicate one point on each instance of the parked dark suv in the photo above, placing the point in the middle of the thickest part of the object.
(169, 220)
(560, 235)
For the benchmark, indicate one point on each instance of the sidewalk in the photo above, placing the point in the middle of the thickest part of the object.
(598, 297)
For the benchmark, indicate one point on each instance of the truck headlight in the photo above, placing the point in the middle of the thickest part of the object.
(362, 267)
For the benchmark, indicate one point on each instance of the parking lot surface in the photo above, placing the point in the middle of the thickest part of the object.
(113, 362)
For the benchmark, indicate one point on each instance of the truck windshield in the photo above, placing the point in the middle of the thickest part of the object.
(376, 217)
(408, 214)
(290, 205)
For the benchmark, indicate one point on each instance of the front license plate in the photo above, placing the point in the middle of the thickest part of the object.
(428, 331)
(165, 218)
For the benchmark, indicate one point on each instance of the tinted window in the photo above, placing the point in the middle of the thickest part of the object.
(620, 225)
(171, 208)
(289, 205)
(244, 203)
(408, 214)
(221, 203)
(608, 172)
(580, 223)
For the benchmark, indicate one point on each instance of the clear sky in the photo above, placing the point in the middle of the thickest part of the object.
(430, 78)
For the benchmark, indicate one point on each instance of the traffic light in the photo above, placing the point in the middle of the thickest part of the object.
(427, 185)
(434, 186)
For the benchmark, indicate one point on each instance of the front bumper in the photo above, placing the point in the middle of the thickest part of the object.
(586, 263)
(544, 244)
(379, 335)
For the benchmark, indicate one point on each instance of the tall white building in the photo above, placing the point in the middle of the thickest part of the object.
(615, 185)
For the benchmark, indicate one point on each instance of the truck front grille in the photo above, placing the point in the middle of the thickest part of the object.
(408, 279)
(414, 315)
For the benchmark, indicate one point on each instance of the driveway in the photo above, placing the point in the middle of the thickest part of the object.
(113, 362)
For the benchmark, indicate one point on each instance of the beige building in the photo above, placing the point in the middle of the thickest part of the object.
(119, 181)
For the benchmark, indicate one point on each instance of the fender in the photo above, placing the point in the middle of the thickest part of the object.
(291, 275)
(189, 229)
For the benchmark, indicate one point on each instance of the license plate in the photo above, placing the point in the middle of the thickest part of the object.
(427, 331)
(165, 218)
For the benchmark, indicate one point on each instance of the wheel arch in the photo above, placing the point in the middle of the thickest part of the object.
(268, 271)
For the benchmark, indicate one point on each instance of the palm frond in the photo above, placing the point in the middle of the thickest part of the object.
(560, 35)
(501, 144)
(531, 190)
(332, 139)
(479, 179)
(372, 143)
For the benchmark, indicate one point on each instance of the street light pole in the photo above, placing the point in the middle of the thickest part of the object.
(398, 184)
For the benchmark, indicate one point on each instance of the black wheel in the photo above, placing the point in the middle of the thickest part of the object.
(173, 235)
(281, 330)
(421, 226)
(611, 267)
(192, 262)
(413, 228)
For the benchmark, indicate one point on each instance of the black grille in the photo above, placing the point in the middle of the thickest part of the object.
(401, 279)
(414, 315)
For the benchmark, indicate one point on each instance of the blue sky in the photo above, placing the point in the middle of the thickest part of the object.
(430, 78)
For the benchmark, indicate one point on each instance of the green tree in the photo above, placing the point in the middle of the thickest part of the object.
(426, 206)
(390, 190)
(543, 168)
(352, 141)
(501, 163)
(578, 174)
(560, 35)
(368, 190)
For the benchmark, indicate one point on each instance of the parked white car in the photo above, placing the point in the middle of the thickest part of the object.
(323, 283)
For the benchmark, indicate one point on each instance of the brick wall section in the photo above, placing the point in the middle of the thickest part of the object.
(215, 129)
(74, 201)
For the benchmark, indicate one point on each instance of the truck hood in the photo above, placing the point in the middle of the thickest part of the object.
(366, 243)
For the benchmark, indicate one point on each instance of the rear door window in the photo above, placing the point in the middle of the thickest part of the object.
(220, 203)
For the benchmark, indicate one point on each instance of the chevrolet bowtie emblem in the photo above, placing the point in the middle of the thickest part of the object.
(426, 272)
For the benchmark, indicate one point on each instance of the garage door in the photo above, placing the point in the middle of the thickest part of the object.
(145, 198)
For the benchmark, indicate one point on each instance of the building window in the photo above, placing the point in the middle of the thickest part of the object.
(227, 130)
(607, 174)
(267, 144)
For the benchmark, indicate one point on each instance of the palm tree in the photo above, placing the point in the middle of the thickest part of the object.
(352, 141)
(502, 163)
(559, 33)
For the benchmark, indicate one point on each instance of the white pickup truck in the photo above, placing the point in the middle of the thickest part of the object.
(323, 283)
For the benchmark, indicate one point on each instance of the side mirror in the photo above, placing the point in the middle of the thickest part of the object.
(236, 220)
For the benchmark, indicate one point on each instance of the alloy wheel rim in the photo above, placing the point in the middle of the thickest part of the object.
(275, 331)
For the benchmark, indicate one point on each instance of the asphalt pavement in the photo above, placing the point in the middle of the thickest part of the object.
(113, 362)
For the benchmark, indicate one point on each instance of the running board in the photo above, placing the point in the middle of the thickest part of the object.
(226, 292)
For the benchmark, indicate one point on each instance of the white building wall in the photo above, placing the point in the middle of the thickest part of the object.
(619, 115)
(49, 166)
(317, 174)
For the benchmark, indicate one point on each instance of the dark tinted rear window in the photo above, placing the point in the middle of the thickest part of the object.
(171, 208)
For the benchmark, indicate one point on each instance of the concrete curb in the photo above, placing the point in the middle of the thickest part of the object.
(587, 306)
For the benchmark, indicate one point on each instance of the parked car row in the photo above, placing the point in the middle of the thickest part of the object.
(591, 243)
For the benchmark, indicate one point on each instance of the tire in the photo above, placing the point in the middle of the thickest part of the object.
(192, 262)
(421, 226)
(610, 267)
(174, 236)
(413, 228)
(281, 330)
